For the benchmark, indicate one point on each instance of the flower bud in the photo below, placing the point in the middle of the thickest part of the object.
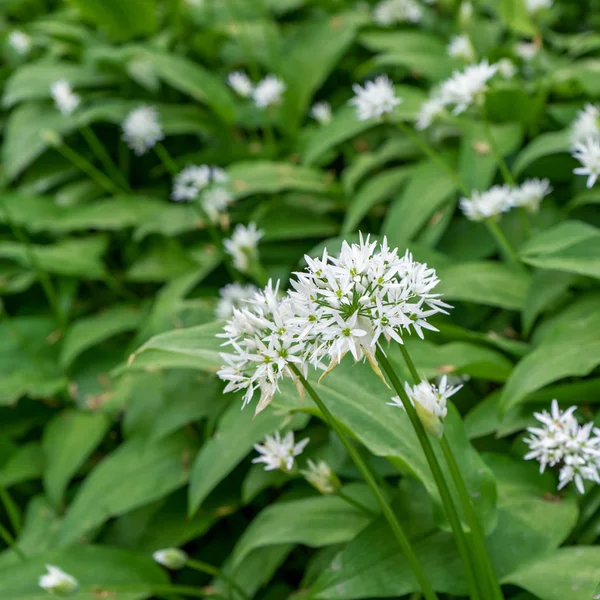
(58, 583)
(172, 558)
(321, 477)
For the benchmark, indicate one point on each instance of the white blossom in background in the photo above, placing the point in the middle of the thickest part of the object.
(65, 99)
(234, 296)
(506, 68)
(534, 6)
(390, 12)
(243, 246)
(57, 582)
(278, 453)
(321, 112)
(374, 99)
(321, 477)
(430, 110)
(172, 558)
(465, 13)
(190, 181)
(269, 91)
(142, 129)
(530, 193)
(430, 402)
(562, 441)
(588, 154)
(20, 42)
(214, 202)
(488, 204)
(466, 88)
(240, 83)
(586, 125)
(526, 51)
(460, 47)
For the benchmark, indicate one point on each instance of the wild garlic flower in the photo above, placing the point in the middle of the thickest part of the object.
(588, 154)
(586, 125)
(534, 6)
(20, 42)
(277, 453)
(467, 88)
(269, 91)
(142, 129)
(530, 193)
(65, 99)
(430, 110)
(488, 204)
(375, 99)
(234, 296)
(57, 582)
(321, 112)
(526, 51)
(562, 441)
(506, 68)
(390, 12)
(430, 402)
(321, 477)
(172, 558)
(240, 83)
(189, 182)
(460, 47)
(243, 246)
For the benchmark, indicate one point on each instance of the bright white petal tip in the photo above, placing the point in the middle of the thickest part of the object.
(57, 582)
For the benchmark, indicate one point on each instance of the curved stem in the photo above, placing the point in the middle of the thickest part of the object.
(505, 246)
(165, 158)
(12, 510)
(386, 509)
(103, 156)
(506, 173)
(9, 540)
(203, 567)
(444, 490)
(356, 504)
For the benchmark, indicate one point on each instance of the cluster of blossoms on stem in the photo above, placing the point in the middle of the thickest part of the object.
(585, 143)
(339, 304)
(321, 477)
(321, 112)
(279, 453)
(243, 246)
(142, 129)
(562, 441)
(391, 12)
(19, 41)
(502, 198)
(267, 92)
(234, 296)
(240, 83)
(460, 46)
(65, 99)
(375, 99)
(57, 582)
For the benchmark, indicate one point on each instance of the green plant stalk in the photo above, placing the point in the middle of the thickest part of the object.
(9, 540)
(590, 507)
(475, 583)
(503, 244)
(481, 554)
(104, 157)
(165, 159)
(386, 509)
(356, 504)
(506, 173)
(216, 572)
(12, 510)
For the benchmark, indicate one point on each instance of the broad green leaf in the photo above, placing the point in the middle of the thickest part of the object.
(25, 464)
(121, 20)
(515, 16)
(490, 283)
(555, 142)
(135, 474)
(287, 222)
(68, 441)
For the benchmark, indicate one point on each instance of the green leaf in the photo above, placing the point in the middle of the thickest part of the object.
(555, 142)
(121, 20)
(515, 16)
(68, 441)
(135, 474)
(25, 464)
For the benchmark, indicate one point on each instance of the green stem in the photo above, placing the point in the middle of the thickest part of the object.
(165, 159)
(12, 510)
(215, 572)
(9, 540)
(386, 509)
(503, 244)
(481, 555)
(506, 174)
(356, 504)
(436, 470)
(589, 508)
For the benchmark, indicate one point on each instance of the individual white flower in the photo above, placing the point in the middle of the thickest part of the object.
(321, 112)
(562, 441)
(269, 91)
(467, 87)
(430, 402)
(64, 98)
(172, 558)
(240, 83)
(243, 246)
(142, 129)
(390, 12)
(375, 99)
(506, 68)
(586, 125)
(215, 201)
(484, 205)
(321, 477)
(530, 193)
(278, 453)
(430, 110)
(534, 6)
(460, 47)
(189, 182)
(527, 51)
(57, 582)
(20, 42)
(234, 296)
(588, 154)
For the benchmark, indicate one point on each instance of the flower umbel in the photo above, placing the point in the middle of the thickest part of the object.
(321, 477)
(57, 582)
(586, 125)
(467, 87)
(530, 193)
(65, 99)
(234, 296)
(269, 91)
(485, 205)
(390, 12)
(142, 129)
(374, 99)
(243, 246)
(460, 47)
(240, 83)
(172, 558)
(278, 453)
(588, 154)
(321, 112)
(19, 41)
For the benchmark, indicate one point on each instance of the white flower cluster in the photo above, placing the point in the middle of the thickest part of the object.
(341, 304)
(240, 83)
(321, 477)
(374, 99)
(19, 41)
(243, 246)
(526, 51)
(501, 198)
(460, 46)
(534, 6)
(279, 453)
(390, 12)
(57, 582)
(268, 91)
(585, 143)
(321, 112)
(234, 296)
(65, 99)
(142, 129)
(562, 441)
(430, 402)
(462, 90)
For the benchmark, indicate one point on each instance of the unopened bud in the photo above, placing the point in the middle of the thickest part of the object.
(172, 558)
